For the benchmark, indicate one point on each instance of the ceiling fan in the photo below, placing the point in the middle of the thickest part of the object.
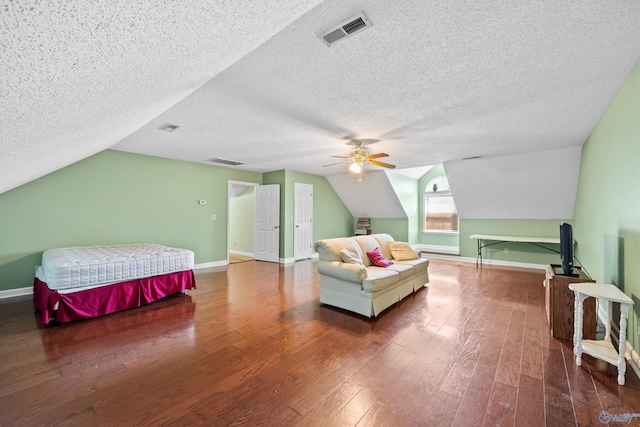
(360, 157)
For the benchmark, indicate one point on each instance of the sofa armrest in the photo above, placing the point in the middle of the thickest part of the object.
(342, 270)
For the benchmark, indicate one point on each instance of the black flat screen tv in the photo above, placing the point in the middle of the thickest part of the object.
(566, 250)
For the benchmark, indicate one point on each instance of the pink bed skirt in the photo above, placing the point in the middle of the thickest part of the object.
(107, 299)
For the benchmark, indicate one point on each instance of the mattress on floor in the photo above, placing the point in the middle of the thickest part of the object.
(91, 266)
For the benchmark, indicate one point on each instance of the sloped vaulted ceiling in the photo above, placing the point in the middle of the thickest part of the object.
(78, 76)
(431, 82)
(373, 197)
(538, 185)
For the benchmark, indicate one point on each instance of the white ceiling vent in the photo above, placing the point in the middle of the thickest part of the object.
(224, 161)
(168, 127)
(346, 29)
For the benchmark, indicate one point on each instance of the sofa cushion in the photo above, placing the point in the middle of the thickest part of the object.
(401, 251)
(383, 240)
(367, 244)
(378, 259)
(404, 270)
(419, 265)
(329, 249)
(352, 254)
(379, 278)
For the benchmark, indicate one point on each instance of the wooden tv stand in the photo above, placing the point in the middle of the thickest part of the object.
(560, 304)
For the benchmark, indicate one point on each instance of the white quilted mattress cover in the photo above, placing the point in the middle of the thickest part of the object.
(91, 266)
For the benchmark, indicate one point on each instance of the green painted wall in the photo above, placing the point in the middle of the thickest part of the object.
(607, 213)
(241, 221)
(406, 188)
(396, 227)
(115, 197)
(432, 238)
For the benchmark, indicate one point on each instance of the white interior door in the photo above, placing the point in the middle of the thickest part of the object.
(303, 223)
(267, 223)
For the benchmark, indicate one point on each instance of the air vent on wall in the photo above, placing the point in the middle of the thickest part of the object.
(346, 29)
(224, 161)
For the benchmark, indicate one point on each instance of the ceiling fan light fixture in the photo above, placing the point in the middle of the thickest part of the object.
(359, 157)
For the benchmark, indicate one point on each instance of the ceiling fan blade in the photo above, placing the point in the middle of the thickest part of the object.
(341, 157)
(384, 165)
(331, 164)
(377, 156)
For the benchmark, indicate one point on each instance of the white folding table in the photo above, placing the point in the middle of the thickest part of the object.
(537, 241)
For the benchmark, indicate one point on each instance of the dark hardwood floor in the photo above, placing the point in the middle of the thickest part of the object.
(252, 346)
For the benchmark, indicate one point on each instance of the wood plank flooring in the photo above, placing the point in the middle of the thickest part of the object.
(252, 346)
(235, 258)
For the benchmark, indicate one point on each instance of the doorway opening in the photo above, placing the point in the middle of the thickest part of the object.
(240, 221)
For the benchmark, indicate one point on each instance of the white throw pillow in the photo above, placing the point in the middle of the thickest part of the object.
(351, 255)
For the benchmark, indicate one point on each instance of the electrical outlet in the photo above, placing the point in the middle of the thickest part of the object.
(506, 250)
(213, 217)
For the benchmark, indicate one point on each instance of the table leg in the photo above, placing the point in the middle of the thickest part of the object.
(622, 365)
(577, 327)
(576, 299)
(607, 333)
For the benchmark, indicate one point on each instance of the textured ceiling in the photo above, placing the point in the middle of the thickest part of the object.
(77, 76)
(431, 82)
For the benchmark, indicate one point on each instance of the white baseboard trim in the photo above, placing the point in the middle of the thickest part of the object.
(438, 249)
(241, 253)
(212, 264)
(513, 264)
(288, 261)
(633, 358)
(18, 292)
(487, 262)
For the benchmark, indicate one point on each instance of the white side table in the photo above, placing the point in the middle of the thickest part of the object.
(601, 349)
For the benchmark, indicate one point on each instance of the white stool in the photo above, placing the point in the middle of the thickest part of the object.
(601, 349)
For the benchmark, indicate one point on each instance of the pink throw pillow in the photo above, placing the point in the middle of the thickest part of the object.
(378, 259)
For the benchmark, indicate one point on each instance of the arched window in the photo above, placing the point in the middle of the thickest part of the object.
(440, 214)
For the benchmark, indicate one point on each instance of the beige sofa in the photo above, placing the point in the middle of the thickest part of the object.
(365, 288)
